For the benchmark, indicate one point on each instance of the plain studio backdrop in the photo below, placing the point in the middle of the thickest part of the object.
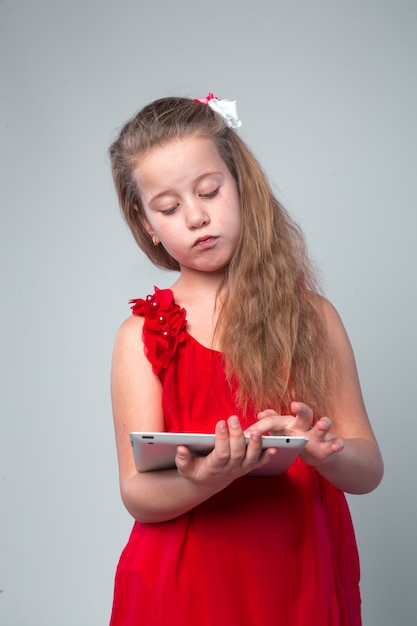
(327, 94)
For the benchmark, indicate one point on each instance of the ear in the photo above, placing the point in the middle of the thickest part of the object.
(150, 231)
(147, 226)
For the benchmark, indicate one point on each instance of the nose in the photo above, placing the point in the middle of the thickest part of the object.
(196, 215)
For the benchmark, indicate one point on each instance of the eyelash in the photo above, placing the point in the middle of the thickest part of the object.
(212, 194)
(170, 211)
(205, 196)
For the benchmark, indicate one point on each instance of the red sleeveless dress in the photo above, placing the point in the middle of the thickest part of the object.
(266, 551)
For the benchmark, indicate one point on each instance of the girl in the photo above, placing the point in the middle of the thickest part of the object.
(243, 342)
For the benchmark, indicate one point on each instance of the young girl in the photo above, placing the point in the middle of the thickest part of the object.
(242, 343)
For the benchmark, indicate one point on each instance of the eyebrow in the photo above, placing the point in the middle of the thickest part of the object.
(167, 192)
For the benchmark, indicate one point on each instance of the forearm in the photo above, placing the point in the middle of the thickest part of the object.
(163, 495)
(357, 468)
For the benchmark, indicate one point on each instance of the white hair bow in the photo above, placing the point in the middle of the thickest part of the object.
(226, 108)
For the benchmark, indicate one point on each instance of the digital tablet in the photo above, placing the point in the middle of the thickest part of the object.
(156, 451)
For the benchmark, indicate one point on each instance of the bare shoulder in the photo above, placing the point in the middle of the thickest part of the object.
(338, 336)
(130, 330)
(346, 400)
(131, 369)
(136, 391)
(335, 327)
(129, 361)
(329, 312)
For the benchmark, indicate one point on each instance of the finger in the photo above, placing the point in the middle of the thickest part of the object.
(267, 413)
(269, 421)
(322, 428)
(254, 447)
(237, 441)
(303, 415)
(337, 444)
(221, 451)
(320, 434)
(266, 456)
(221, 431)
(183, 460)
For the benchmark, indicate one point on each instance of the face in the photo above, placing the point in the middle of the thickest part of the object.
(191, 203)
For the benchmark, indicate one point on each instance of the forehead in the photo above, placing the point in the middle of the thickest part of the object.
(188, 157)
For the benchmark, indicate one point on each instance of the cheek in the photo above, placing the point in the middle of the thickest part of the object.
(147, 226)
(147, 223)
(237, 214)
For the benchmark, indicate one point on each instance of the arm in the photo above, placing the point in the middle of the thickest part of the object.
(342, 447)
(136, 398)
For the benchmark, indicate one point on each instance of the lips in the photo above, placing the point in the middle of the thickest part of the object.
(205, 242)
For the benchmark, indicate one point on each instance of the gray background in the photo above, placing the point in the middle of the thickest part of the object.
(327, 94)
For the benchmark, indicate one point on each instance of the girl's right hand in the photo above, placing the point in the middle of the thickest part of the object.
(231, 457)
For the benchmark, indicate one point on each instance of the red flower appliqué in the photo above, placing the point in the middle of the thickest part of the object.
(164, 326)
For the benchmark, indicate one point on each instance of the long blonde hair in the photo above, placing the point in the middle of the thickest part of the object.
(271, 329)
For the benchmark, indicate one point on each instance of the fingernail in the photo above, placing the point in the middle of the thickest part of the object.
(234, 421)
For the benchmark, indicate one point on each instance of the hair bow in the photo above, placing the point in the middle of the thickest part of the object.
(226, 108)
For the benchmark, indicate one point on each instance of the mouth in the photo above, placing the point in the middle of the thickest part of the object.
(205, 242)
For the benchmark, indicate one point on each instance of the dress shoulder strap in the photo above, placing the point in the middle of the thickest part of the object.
(163, 328)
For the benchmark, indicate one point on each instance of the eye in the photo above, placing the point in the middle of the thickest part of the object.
(209, 195)
(170, 211)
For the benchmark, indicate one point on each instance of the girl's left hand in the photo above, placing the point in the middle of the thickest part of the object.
(321, 445)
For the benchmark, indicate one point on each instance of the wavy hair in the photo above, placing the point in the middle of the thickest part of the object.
(270, 327)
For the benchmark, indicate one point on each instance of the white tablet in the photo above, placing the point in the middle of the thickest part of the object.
(156, 451)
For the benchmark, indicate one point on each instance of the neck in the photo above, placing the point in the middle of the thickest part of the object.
(206, 284)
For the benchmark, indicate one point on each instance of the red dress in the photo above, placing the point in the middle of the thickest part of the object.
(277, 551)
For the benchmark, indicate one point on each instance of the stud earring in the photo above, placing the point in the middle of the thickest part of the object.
(155, 240)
